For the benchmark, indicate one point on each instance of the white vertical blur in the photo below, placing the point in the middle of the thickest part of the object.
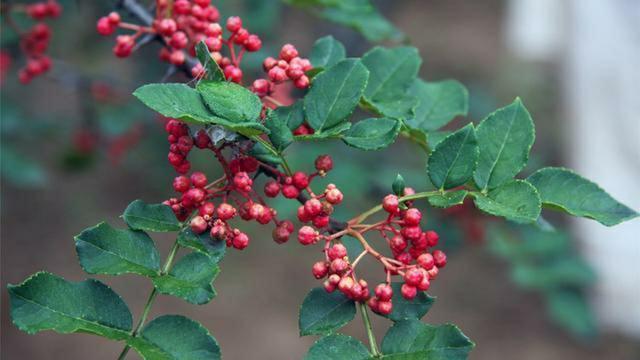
(601, 83)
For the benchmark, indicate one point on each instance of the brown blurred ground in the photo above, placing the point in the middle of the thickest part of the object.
(260, 289)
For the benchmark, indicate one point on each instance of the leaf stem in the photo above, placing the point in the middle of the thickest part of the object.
(367, 324)
(275, 152)
(150, 299)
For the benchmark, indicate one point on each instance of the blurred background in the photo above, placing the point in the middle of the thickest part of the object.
(77, 148)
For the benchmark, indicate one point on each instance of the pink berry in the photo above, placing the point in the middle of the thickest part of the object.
(307, 235)
(384, 292)
(413, 276)
(390, 204)
(337, 251)
(226, 211)
(408, 292)
(320, 269)
(412, 217)
(234, 23)
(439, 258)
(198, 225)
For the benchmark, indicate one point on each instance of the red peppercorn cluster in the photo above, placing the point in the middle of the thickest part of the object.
(234, 195)
(35, 41)
(410, 246)
(182, 24)
(289, 66)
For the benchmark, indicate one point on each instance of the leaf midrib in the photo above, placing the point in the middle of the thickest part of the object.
(125, 332)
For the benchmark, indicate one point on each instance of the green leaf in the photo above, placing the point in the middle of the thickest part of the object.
(412, 339)
(326, 52)
(505, 138)
(176, 101)
(398, 185)
(175, 337)
(103, 249)
(279, 133)
(391, 71)
(438, 103)
(322, 312)
(435, 137)
(190, 279)
(563, 189)
(230, 101)
(203, 244)
(338, 346)
(401, 106)
(448, 199)
(335, 93)
(150, 217)
(452, 162)
(292, 115)
(364, 18)
(185, 103)
(48, 302)
(211, 66)
(373, 133)
(404, 309)
(565, 271)
(261, 153)
(571, 310)
(516, 200)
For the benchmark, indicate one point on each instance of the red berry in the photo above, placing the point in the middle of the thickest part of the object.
(411, 232)
(373, 304)
(334, 196)
(269, 63)
(320, 221)
(198, 225)
(218, 231)
(307, 235)
(384, 292)
(240, 241)
(300, 180)
(408, 292)
(324, 163)
(424, 283)
(182, 7)
(261, 87)
(439, 258)
(426, 261)
(234, 23)
(271, 188)
(179, 40)
(412, 217)
(241, 36)
(199, 179)
(195, 195)
(398, 243)
(104, 26)
(302, 82)
(320, 269)
(413, 276)
(207, 209)
(277, 74)
(213, 30)
(253, 43)
(290, 191)
(385, 307)
(346, 283)
(124, 45)
(202, 140)
(233, 73)
(313, 207)
(337, 251)
(167, 27)
(288, 52)
(181, 184)
(226, 211)
(432, 238)
(282, 233)
(433, 272)
(390, 204)
(242, 182)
